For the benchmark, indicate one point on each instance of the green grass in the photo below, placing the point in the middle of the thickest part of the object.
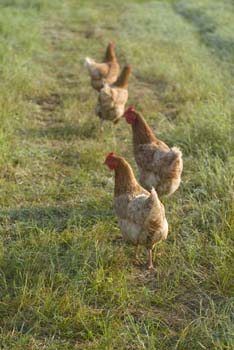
(67, 280)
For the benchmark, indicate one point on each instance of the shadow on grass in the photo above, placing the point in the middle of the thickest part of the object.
(64, 132)
(55, 218)
(221, 47)
(23, 5)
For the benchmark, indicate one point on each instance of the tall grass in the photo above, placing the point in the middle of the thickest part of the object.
(67, 279)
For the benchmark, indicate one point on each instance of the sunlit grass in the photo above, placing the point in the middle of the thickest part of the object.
(67, 279)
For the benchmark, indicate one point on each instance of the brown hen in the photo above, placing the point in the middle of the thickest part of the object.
(112, 98)
(140, 213)
(106, 72)
(159, 165)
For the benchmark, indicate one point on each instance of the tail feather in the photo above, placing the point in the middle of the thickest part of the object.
(93, 68)
(154, 196)
(96, 70)
(172, 157)
(152, 200)
(177, 152)
(88, 62)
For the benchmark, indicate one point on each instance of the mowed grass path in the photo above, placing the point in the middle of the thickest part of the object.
(67, 280)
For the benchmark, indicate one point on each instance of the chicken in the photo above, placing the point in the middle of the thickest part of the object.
(140, 213)
(159, 165)
(112, 98)
(106, 72)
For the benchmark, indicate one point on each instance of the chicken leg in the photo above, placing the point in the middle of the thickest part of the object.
(136, 252)
(150, 259)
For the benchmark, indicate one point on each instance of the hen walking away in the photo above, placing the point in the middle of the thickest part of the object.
(112, 98)
(159, 165)
(106, 72)
(140, 213)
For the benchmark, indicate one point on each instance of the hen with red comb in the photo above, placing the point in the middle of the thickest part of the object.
(159, 165)
(141, 215)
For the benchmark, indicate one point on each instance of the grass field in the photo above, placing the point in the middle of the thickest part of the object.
(67, 280)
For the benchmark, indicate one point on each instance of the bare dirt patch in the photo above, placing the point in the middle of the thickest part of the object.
(48, 103)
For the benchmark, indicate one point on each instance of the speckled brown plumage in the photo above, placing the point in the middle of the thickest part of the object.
(140, 213)
(106, 72)
(159, 165)
(112, 98)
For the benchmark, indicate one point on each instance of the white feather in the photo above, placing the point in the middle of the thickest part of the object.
(88, 61)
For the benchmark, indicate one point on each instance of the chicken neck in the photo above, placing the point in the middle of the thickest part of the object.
(125, 180)
(142, 133)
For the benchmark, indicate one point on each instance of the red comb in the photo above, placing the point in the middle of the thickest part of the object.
(109, 156)
(129, 109)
